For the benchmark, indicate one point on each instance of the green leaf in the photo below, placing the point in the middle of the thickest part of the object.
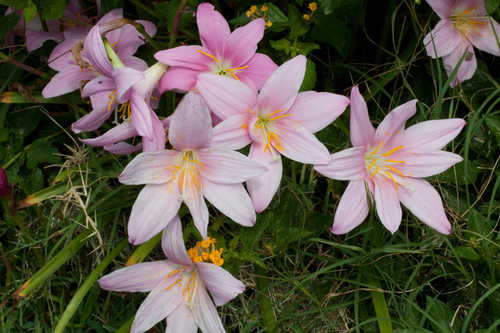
(281, 45)
(493, 124)
(29, 12)
(492, 5)
(19, 4)
(298, 26)
(8, 23)
(310, 76)
(54, 11)
(41, 151)
(306, 48)
(277, 18)
(442, 314)
(331, 30)
(467, 253)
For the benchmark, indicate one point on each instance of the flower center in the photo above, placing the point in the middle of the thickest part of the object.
(123, 111)
(264, 128)
(186, 173)
(221, 68)
(205, 251)
(186, 279)
(466, 21)
(379, 163)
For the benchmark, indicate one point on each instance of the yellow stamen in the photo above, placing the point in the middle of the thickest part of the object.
(390, 152)
(396, 171)
(273, 113)
(374, 172)
(112, 98)
(177, 282)
(236, 68)
(372, 163)
(175, 271)
(390, 176)
(209, 55)
(279, 117)
(393, 161)
(376, 149)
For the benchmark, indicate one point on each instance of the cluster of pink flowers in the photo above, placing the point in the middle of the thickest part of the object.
(250, 100)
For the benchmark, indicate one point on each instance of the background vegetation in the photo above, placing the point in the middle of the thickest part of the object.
(67, 223)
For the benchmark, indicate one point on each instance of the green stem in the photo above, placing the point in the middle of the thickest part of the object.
(83, 290)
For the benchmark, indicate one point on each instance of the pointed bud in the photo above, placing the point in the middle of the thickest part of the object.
(113, 57)
(5, 187)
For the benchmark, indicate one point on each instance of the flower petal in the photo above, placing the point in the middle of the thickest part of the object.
(299, 144)
(159, 136)
(352, 208)
(316, 110)
(97, 85)
(220, 283)
(362, 131)
(425, 203)
(96, 117)
(149, 168)
(159, 304)
(172, 243)
(122, 148)
(387, 204)
(263, 187)
(130, 38)
(231, 133)
(153, 209)
(191, 124)
(198, 209)
(394, 121)
(35, 39)
(442, 40)
(205, 313)
(96, 53)
(141, 115)
(427, 163)
(185, 56)
(181, 320)
(118, 133)
(139, 277)
(485, 38)
(432, 134)
(260, 68)
(213, 28)
(241, 45)
(178, 78)
(468, 66)
(282, 87)
(125, 78)
(231, 200)
(227, 166)
(66, 81)
(225, 96)
(347, 164)
(441, 7)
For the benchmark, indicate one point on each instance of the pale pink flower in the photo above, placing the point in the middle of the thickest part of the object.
(222, 52)
(178, 286)
(388, 164)
(200, 166)
(463, 25)
(278, 121)
(125, 41)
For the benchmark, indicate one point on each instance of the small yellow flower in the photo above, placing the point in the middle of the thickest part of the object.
(306, 17)
(313, 6)
(253, 9)
(269, 24)
(264, 8)
(249, 13)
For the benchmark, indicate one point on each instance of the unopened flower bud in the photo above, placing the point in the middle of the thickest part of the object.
(5, 187)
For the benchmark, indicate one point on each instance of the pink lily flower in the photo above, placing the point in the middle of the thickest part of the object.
(463, 25)
(222, 52)
(178, 286)
(113, 140)
(199, 166)
(125, 41)
(278, 121)
(388, 164)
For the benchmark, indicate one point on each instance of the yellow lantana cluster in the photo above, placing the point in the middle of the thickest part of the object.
(255, 12)
(313, 6)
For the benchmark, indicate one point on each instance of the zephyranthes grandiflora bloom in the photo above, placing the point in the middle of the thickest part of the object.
(277, 121)
(197, 167)
(222, 52)
(463, 25)
(388, 164)
(178, 286)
